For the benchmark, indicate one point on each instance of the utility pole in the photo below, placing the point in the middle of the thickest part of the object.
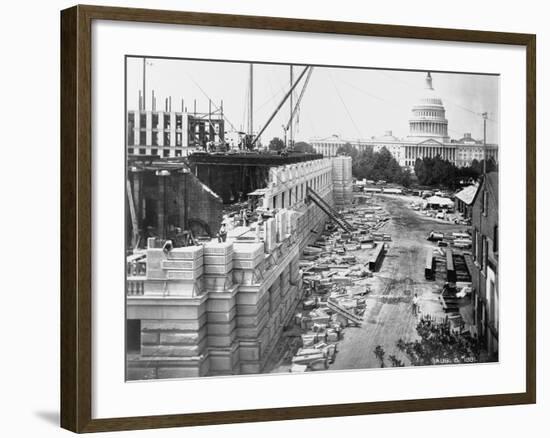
(144, 94)
(291, 108)
(251, 101)
(484, 115)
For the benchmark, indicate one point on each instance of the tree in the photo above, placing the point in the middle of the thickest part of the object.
(437, 345)
(379, 165)
(276, 144)
(436, 171)
(406, 178)
(349, 150)
(302, 146)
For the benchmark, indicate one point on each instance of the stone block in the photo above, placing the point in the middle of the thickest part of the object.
(186, 288)
(185, 275)
(248, 264)
(181, 265)
(218, 259)
(218, 269)
(270, 238)
(218, 248)
(221, 364)
(159, 309)
(140, 373)
(258, 320)
(219, 317)
(170, 350)
(218, 283)
(186, 253)
(247, 277)
(221, 340)
(254, 331)
(151, 338)
(224, 328)
(251, 368)
(247, 251)
(178, 372)
(223, 304)
(250, 298)
(224, 360)
(173, 324)
(173, 338)
(251, 352)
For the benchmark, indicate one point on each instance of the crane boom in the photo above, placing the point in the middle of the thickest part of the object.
(280, 105)
(295, 110)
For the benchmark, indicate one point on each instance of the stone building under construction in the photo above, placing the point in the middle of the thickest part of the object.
(219, 307)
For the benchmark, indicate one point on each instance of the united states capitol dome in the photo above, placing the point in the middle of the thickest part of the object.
(428, 116)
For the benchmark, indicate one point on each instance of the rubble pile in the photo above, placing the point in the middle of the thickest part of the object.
(336, 270)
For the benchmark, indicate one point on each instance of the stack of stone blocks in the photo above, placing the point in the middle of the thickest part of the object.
(173, 315)
(342, 181)
(219, 308)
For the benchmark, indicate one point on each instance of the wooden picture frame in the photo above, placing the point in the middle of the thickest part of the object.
(76, 217)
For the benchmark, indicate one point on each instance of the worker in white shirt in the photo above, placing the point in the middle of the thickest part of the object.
(415, 304)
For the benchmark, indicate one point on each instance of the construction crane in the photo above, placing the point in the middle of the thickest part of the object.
(286, 96)
(297, 106)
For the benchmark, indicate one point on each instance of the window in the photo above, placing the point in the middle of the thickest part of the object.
(494, 304)
(130, 151)
(131, 126)
(166, 153)
(178, 121)
(142, 138)
(274, 202)
(475, 246)
(283, 200)
(131, 135)
(495, 238)
(166, 139)
(142, 151)
(484, 206)
(484, 248)
(143, 121)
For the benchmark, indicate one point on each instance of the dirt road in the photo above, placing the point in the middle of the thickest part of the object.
(389, 314)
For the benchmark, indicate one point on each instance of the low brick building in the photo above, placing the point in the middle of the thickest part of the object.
(485, 257)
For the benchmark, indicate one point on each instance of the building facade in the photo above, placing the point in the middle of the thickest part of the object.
(220, 308)
(464, 200)
(485, 249)
(428, 137)
(170, 134)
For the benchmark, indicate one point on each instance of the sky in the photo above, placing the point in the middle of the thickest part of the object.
(350, 102)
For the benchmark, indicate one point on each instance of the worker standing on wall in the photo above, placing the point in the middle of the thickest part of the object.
(222, 234)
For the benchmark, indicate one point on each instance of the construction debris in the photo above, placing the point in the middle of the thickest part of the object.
(336, 269)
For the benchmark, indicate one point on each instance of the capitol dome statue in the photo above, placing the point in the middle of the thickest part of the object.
(428, 116)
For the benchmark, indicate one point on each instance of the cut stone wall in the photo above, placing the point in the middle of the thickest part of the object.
(220, 308)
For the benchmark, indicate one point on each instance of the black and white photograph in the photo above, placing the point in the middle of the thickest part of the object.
(302, 218)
